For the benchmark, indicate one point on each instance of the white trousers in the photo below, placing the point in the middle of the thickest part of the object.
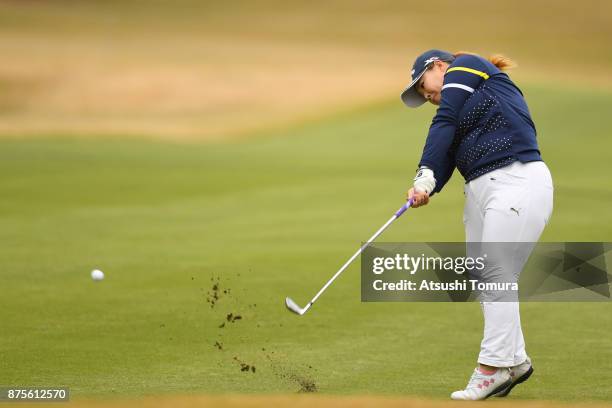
(510, 204)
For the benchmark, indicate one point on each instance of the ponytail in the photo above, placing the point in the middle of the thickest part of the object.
(500, 61)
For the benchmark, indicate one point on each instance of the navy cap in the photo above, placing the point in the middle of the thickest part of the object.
(410, 96)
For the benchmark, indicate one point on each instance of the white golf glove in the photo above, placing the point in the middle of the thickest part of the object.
(424, 182)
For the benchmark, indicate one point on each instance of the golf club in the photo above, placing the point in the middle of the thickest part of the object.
(292, 306)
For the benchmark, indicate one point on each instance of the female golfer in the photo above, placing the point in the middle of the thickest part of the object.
(483, 128)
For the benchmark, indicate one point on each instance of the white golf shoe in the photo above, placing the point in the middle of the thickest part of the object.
(518, 374)
(482, 386)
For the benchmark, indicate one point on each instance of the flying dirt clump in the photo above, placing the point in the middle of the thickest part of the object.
(293, 374)
(245, 367)
(231, 318)
(215, 292)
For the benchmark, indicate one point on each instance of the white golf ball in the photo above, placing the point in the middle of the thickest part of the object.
(97, 275)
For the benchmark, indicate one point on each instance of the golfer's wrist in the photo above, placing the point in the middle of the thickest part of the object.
(424, 181)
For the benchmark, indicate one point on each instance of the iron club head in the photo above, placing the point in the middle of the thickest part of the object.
(292, 306)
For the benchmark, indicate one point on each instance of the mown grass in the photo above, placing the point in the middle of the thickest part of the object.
(269, 216)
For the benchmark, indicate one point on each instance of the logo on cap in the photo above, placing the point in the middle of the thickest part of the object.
(430, 60)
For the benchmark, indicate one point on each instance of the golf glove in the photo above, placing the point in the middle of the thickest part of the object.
(424, 182)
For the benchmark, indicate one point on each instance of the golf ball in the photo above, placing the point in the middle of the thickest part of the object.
(97, 275)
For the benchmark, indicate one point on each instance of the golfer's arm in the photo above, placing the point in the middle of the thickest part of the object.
(443, 177)
(437, 146)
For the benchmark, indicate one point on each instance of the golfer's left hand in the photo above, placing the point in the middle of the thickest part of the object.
(418, 198)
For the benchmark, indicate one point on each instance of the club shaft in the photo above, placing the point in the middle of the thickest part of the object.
(352, 258)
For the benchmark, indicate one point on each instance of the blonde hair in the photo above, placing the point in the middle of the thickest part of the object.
(500, 61)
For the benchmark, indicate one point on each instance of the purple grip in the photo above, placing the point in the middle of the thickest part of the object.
(403, 209)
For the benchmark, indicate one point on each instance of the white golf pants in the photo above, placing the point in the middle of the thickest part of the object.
(510, 204)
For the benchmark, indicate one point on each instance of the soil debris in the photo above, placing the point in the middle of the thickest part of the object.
(244, 367)
(306, 384)
(232, 317)
(213, 294)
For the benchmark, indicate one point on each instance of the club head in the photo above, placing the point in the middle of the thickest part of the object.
(292, 306)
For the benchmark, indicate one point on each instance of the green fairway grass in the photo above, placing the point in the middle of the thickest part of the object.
(272, 215)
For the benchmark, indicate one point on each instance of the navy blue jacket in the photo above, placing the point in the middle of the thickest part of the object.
(482, 123)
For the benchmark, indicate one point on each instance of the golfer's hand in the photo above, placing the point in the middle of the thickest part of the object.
(418, 199)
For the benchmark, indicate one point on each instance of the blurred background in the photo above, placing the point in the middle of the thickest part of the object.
(207, 70)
